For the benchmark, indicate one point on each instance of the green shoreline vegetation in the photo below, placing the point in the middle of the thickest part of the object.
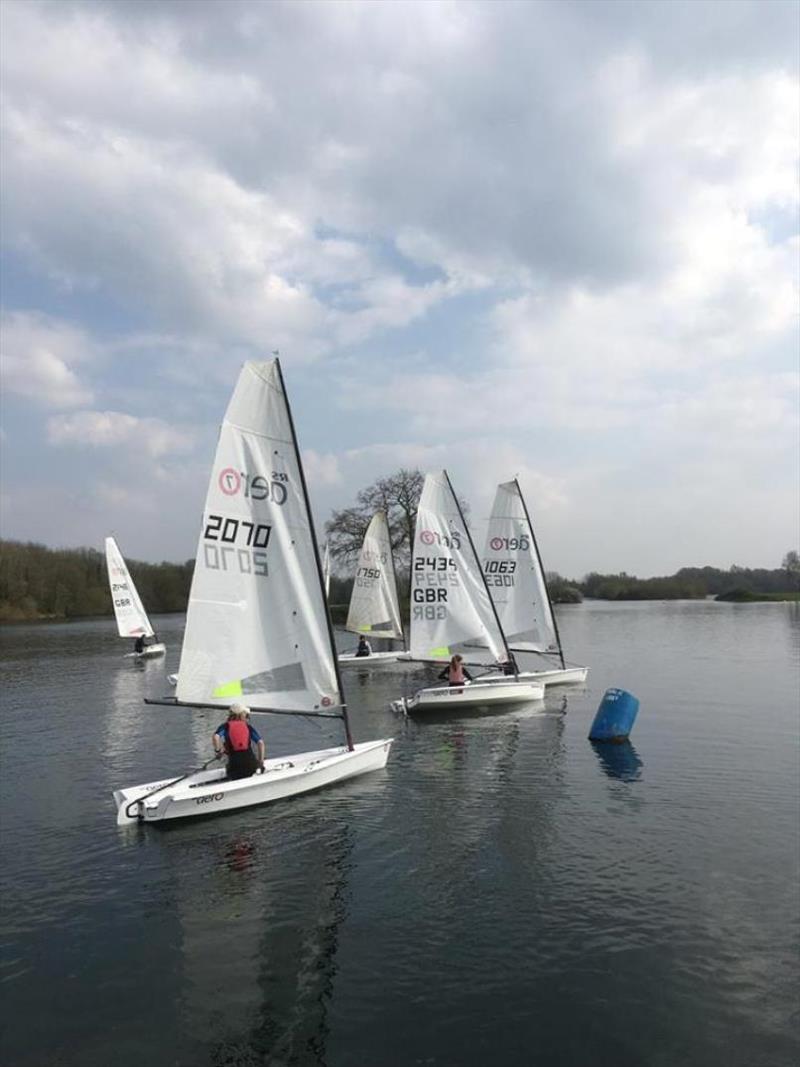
(40, 583)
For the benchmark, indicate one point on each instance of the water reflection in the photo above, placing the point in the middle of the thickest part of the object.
(126, 712)
(241, 855)
(471, 769)
(501, 890)
(619, 760)
(259, 939)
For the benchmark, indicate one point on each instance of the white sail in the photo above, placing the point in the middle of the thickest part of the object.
(132, 620)
(374, 608)
(450, 608)
(257, 623)
(514, 577)
(326, 568)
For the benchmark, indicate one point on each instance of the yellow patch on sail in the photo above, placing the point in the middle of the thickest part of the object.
(230, 689)
(440, 653)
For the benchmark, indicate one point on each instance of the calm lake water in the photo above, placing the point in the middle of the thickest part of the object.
(503, 894)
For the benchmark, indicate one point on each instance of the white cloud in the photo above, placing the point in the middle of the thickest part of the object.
(716, 318)
(321, 470)
(581, 219)
(223, 184)
(476, 466)
(117, 500)
(114, 429)
(38, 358)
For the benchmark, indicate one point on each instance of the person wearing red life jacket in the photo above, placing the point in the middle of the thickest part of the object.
(455, 672)
(240, 742)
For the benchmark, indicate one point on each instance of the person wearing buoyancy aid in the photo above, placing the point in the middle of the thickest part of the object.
(364, 647)
(237, 739)
(455, 672)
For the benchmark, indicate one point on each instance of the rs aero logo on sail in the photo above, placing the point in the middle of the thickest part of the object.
(431, 537)
(510, 544)
(253, 486)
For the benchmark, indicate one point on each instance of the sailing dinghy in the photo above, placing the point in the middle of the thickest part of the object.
(515, 576)
(326, 568)
(258, 629)
(132, 620)
(374, 608)
(451, 609)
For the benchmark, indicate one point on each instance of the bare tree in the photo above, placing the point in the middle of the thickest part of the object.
(398, 495)
(791, 564)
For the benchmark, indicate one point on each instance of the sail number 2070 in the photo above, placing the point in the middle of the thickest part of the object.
(226, 555)
(218, 528)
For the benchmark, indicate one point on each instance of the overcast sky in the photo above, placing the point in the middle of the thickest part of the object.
(557, 240)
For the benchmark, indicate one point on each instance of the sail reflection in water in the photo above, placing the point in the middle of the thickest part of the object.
(468, 774)
(259, 939)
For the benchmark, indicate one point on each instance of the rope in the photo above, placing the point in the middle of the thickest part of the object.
(140, 800)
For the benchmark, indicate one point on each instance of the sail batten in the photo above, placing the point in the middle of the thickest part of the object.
(132, 620)
(256, 624)
(451, 610)
(374, 607)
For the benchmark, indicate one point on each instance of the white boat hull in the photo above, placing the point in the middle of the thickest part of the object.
(556, 676)
(476, 694)
(350, 659)
(551, 676)
(208, 792)
(150, 652)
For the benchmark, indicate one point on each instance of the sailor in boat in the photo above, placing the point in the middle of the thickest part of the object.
(240, 742)
(364, 647)
(143, 642)
(455, 673)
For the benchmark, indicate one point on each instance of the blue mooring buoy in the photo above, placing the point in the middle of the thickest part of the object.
(615, 716)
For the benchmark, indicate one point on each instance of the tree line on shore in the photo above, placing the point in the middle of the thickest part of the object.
(37, 582)
(43, 583)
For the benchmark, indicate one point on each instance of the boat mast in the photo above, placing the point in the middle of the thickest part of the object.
(344, 716)
(483, 576)
(544, 576)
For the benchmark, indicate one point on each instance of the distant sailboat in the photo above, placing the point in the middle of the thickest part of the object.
(451, 609)
(257, 627)
(326, 568)
(517, 583)
(374, 608)
(132, 620)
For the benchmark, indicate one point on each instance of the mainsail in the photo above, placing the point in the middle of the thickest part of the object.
(374, 608)
(257, 625)
(450, 607)
(132, 620)
(514, 575)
